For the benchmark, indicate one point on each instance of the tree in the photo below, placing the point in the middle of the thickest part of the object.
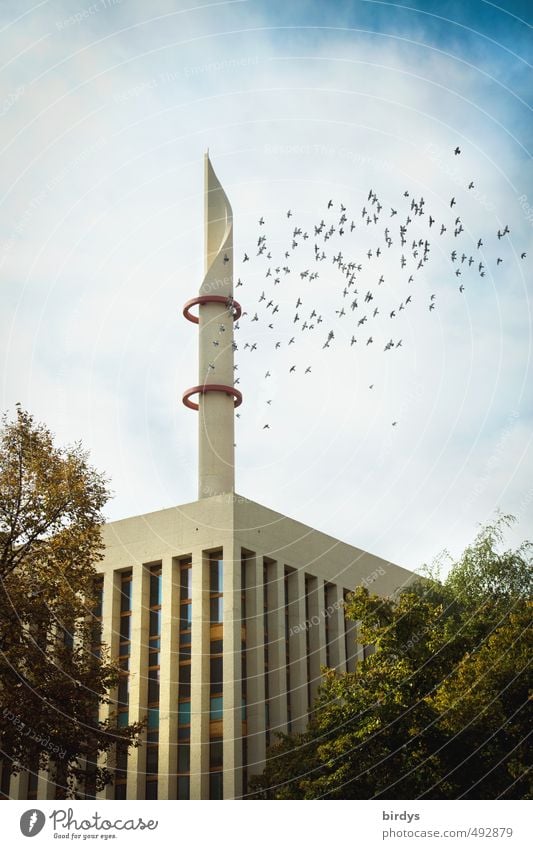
(54, 671)
(442, 709)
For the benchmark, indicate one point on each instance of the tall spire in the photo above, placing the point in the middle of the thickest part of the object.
(217, 312)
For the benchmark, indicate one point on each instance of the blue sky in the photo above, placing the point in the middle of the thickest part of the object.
(106, 109)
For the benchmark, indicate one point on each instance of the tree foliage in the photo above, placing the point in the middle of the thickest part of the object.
(442, 709)
(54, 671)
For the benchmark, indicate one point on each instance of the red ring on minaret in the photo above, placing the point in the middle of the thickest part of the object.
(210, 299)
(210, 387)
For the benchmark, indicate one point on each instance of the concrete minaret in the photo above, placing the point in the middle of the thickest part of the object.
(217, 312)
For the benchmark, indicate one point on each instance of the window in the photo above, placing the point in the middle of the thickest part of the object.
(215, 708)
(121, 752)
(184, 787)
(183, 762)
(184, 713)
(327, 623)
(287, 648)
(308, 640)
(184, 688)
(185, 617)
(216, 675)
(246, 564)
(184, 759)
(154, 642)
(215, 785)
(215, 753)
(125, 590)
(97, 617)
(265, 652)
(216, 569)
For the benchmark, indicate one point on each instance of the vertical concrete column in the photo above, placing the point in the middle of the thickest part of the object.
(255, 662)
(277, 682)
(317, 633)
(232, 666)
(138, 675)
(46, 788)
(168, 687)
(19, 786)
(200, 676)
(110, 638)
(335, 614)
(297, 650)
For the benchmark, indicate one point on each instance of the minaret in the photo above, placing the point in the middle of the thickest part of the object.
(217, 312)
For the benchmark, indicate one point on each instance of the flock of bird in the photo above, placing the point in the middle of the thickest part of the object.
(368, 305)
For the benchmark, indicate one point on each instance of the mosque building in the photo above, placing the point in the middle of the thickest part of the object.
(221, 612)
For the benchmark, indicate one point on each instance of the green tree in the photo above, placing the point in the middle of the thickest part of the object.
(442, 709)
(54, 671)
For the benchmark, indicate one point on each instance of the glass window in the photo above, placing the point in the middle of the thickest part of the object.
(216, 569)
(186, 584)
(151, 759)
(184, 758)
(153, 685)
(125, 622)
(99, 593)
(151, 789)
(215, 647)
(125, 598)
(215, 711)
(122, 719)
(120, 791)
(185, 639)
(153, 718)
(185, 617)
(155, 590)
(184, 691)
(215, 753)
(123, 689)
(215, 785)
(122, 760)
(216, 607)
(184, 713)
(184, 734)
(184, 786)
(155, 623)
(216, 674)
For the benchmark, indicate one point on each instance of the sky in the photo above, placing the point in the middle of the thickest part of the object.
(106, 110)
